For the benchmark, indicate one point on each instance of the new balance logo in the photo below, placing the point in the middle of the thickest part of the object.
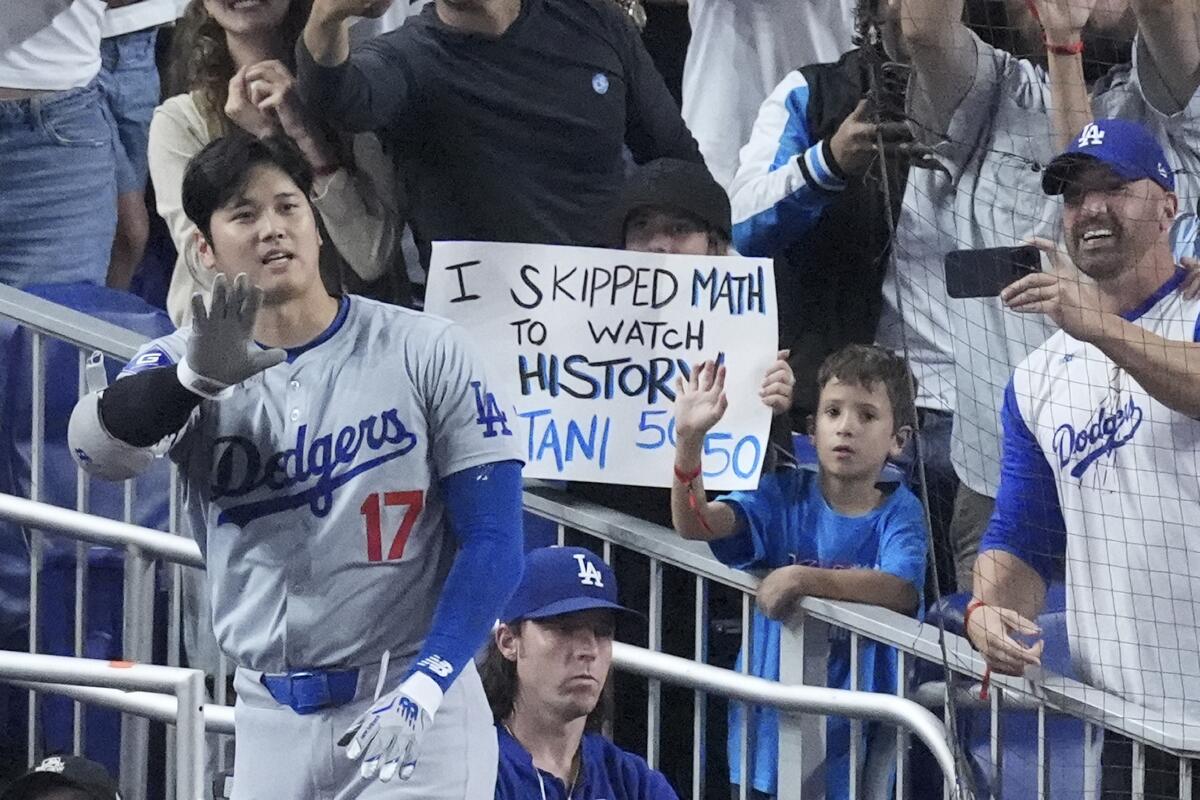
(437, 665)
(1092, 136)
(588, 574)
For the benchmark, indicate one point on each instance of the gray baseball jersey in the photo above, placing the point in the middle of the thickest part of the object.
(312, 489)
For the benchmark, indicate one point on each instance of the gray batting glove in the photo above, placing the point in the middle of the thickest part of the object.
(221, 352)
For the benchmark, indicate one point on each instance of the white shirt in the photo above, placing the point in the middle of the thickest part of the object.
(997, 145)
(140, 16)
(49, 45)
(1099, 471)
(739, 51)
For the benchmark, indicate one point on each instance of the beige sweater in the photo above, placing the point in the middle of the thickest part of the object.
(359, 208)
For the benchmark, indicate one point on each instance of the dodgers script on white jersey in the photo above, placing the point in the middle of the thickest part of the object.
(313, 489)
(1127, 474)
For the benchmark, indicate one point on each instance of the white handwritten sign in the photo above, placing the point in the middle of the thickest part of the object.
(587, 344)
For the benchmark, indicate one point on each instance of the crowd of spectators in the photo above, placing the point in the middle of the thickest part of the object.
(856, 143)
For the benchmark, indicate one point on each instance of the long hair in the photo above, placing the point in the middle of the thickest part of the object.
(201, 62)
(499, 676)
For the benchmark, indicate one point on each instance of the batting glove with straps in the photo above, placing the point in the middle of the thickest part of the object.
(221, 351)
(388, 735)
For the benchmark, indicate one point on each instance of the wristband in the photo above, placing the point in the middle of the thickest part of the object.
(686, 478)
(976, 603)
(422, 688)
(197, 383)
(1072, 49)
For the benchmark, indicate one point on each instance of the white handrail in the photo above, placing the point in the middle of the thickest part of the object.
(158, 707)
(186, 684)
(100, 530)
(660, 666)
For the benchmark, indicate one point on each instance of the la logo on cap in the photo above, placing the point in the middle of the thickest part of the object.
(1092, 136)
(52, 764)
(588, 574)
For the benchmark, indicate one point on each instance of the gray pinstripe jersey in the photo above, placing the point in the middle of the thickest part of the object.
(313, 489)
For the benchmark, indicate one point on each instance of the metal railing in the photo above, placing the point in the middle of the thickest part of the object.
(187, 686)
(656, 666)
(803, 646)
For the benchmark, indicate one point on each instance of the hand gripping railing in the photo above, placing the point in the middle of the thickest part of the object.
(187, 685)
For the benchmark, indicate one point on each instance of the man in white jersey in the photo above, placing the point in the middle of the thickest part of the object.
(327, 448)
(1101, 453)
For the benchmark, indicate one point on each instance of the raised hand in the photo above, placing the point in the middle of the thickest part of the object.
(387, 737)
(243, 112)
(221, 351)
(1062, 20)
(700, 402)
(1062, 293)
(778, 384)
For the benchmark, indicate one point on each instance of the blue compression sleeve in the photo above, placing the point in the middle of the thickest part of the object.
(484, 508)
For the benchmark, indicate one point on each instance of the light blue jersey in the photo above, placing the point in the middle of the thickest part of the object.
(788, 521)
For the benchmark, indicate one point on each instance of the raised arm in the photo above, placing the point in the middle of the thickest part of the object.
(699, 405)
(1169, 370)
(943, 53)
(360, 92)
(654, 126)
(113, 433)
(1062, 24)
(1169, 37)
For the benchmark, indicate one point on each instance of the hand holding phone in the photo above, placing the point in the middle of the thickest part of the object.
(984, 273)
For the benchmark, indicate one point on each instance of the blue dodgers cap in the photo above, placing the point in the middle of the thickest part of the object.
(561, 580)
(1126, 147)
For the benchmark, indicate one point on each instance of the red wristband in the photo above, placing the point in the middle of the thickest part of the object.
(976, 603)
(686, 478)
(971, 607)
(1073, 49)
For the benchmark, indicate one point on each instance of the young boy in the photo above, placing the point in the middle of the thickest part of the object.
(838, 533)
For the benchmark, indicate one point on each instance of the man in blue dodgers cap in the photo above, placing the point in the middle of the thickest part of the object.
(545, 672)
(1101, 453)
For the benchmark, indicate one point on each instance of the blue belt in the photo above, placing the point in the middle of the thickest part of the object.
(310, 691)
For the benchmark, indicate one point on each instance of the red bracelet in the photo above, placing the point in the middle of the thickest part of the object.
(1073, 49)
(971, 607)
(987, 671)
(686, 478)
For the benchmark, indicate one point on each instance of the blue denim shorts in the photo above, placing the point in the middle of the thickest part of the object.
(129, 82)
(58, 189)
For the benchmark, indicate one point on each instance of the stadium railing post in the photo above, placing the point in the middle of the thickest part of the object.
(803, 660)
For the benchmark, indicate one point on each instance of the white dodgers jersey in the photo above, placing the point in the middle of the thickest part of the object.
(1127, 475)
(313, 489)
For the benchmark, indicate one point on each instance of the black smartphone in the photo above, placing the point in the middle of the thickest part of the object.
(983, 273)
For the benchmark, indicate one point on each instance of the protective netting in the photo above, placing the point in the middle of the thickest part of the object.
(1071, 429)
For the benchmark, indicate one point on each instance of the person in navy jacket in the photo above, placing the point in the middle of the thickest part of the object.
(545, 672)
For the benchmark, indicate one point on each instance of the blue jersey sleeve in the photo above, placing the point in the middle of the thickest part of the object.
(903, 543)
(484, 507)
(760, 517)
(1028, 520)
(785, 179)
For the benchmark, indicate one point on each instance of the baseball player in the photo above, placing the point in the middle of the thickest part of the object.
(327, 446)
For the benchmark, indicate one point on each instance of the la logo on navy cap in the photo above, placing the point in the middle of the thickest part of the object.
(1125, 147)
(562, 580)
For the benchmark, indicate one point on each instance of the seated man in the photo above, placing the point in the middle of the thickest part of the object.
(1101, 457)
(545, 672)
